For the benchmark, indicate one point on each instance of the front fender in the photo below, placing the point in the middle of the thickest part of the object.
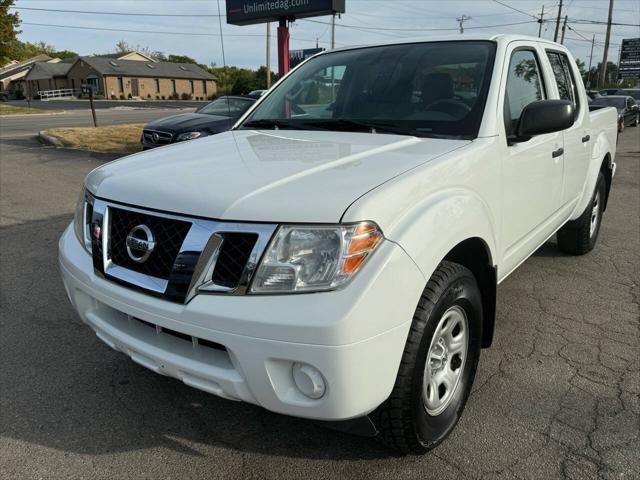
(441, 221)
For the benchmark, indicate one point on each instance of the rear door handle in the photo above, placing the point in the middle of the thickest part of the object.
(586, 138)
(557, 153)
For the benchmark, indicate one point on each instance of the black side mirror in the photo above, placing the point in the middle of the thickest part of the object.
(545, 116)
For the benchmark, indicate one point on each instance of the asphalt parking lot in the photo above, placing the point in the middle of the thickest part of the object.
(557, 396)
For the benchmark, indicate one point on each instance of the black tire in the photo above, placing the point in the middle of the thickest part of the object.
(636, 122)
(576, 237)
(403, 420)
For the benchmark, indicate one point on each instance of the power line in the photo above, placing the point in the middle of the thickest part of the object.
(515, 9)
(132, 14)
(358, 27)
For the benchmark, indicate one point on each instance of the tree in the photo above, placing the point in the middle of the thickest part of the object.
(9, 23)
(181, 59)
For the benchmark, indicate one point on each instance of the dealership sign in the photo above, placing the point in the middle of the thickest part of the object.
(247, 12)
(298, 56)
(629, 67)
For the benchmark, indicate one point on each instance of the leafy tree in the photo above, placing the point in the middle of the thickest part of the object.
(9, 23)
(181, 59)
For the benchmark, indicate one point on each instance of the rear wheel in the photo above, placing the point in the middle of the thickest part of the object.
(438, 365)
(636, 122)
(580, 236)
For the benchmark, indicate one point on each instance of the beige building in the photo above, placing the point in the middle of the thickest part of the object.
(12, 75)
(130, 75)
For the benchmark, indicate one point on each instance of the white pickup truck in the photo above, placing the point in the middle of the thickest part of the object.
(336, 255)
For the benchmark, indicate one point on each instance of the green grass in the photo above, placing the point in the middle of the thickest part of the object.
(12, 110)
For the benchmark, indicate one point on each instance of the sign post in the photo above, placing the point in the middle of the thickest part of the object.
(629, 65)
(89, 89)
(250, 12)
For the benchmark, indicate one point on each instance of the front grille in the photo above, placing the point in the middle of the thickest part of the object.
(233, 257)
(168, 234)
(162, 137)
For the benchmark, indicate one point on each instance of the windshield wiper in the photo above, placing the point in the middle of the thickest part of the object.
(345, 125)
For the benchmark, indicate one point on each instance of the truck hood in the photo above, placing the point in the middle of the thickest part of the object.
(270, 176)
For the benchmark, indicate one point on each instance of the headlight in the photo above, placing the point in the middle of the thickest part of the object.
(314, 258)
(189, 136)
(82, 219)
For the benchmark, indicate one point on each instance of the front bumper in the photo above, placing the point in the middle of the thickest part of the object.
(243, 347)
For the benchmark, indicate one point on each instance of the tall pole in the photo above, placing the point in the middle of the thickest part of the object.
(333, 31)
(603, 72)
(461, 21)
(593, 41)
(540, 22)
(555, 35)
(268, 55)
(283, 47)
(564, 29)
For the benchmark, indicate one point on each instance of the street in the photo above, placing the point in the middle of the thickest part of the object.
(14, 126)
(557, 396)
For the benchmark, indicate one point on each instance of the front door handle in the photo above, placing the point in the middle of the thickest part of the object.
(586, 138)
(557, 153)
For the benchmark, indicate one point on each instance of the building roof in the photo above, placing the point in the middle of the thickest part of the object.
(15, 67)
(45, 70)
(125, 55)
(136, 68)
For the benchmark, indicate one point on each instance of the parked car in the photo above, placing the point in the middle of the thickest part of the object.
(215, 117)
(628, 113)
(609, 91)
(339, 259)
(4, 97)
(256, 93)
(592, 94)
(632, 92)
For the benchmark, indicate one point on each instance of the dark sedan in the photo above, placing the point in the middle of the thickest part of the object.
(628, 113)
(215, 117)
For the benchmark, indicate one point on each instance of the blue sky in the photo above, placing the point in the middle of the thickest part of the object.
(363, 23)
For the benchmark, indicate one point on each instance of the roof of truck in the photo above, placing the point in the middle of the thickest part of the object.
(500, 37)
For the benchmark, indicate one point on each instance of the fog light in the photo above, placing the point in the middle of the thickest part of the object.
(308, 380)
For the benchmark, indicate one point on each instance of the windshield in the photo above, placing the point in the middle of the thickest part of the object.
(618, 102)
(435, 89)
(227, 107)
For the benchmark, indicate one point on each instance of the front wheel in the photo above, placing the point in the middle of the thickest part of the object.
(438, 365)
(636, 122)
(580, 236)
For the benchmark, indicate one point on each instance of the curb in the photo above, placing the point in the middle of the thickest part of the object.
(47, 139)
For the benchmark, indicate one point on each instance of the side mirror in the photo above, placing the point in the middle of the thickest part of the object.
(634, 107)
(545, 116)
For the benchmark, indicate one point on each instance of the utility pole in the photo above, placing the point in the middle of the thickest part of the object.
(461, 21)
(333, 31)
(268, 55)
(564, 29)
(593, 41)
(555, 35)
(540, 20)
(603, 72)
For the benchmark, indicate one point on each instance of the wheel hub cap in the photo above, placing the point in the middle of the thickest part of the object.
(445, 360)
(595, 213)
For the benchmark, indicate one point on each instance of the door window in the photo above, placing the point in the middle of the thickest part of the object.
(567, 86)
(524, 86)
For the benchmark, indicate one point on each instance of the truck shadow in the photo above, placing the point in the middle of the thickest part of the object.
(63, 389)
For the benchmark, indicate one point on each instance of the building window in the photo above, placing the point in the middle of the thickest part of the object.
(173, 86)
(191, 85)
(120, 85)
(204, 87)
(157, 82)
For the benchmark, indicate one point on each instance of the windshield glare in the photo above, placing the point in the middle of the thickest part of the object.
(227, 107)
(434, 89)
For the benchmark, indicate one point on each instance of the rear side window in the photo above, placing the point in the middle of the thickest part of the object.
(524, 86)
(567, 86)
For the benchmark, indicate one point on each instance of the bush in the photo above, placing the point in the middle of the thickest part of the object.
(186, 96)
(174, 96)
(122, 96)
(212, 97)
(162, 97)
(129, 97)
(98, 97)
(157, 97)
(18, 95)
(113, 97)
(149, 96)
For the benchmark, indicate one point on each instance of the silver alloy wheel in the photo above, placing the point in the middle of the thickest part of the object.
(595, 214)
(445, 360)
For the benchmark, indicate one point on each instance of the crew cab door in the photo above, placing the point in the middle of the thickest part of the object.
(532, 170)
(577, 139)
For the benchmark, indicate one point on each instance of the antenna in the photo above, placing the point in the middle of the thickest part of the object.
(461, 21)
